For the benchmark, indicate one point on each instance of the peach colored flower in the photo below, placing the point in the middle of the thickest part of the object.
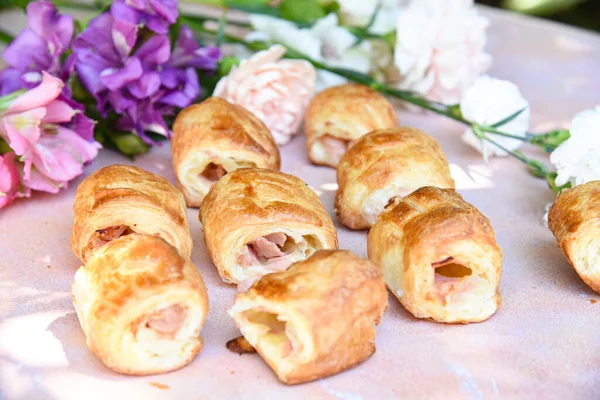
(440, 48)
(276, 91)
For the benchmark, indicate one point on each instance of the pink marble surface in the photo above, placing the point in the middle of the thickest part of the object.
(542, 344)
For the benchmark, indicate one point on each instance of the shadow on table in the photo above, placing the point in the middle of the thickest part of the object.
(67, 331)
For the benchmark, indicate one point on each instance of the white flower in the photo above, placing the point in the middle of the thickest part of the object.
(359, 13)
(324, 41)
(488, 101)
(440, 48)
(577, 160)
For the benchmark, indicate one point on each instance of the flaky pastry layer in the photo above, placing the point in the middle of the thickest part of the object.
(386, 164)
(141, 305)
(120, 199)
(340, 115)
(575, 221)
(317, 318)
(252, 217)
(213, 138)
(439, 256)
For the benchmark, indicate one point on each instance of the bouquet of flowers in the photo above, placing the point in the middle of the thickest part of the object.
(71, 87)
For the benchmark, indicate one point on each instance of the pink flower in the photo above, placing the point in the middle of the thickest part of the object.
(9, 179)
(276, 91)
(440, 48)
(41, 129)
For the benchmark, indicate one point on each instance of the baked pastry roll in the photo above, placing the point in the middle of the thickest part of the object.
(315, 319)
(338, 116)
(213, 138)
(141, 305)
(439, 256)
(574, 219)
(258, 221)
(121, 199)
(386, 164)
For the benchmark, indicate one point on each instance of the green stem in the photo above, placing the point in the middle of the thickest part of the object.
(381, 87)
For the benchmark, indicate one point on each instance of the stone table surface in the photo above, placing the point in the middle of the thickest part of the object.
(543, 343)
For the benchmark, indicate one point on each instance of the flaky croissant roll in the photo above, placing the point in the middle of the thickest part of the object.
(213, 138)
(575, 221)
(383, 165)
(315, 319)
(338, 116)
(258, 221)
(439, 256)
(141, 305)
(120, 199)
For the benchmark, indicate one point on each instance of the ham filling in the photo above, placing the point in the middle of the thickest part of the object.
(168, 321)
(451, 278)
(103, 236)
(335, 147)
(213, 172)
(275, 252)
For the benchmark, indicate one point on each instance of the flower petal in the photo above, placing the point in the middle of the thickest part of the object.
(116, 78)
(39, 96)
(58, 111)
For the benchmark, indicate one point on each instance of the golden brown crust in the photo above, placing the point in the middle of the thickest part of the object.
(574, 219)
(252, 202)
(333, 300)
(345, 112)
(123, 286)
(426, 230)
(127, 196)
(218, 131)
(393, 161)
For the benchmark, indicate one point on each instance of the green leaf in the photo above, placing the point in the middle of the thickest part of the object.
(455, 110)
(551, 140)
(15, 3)
(301, 11)
(390, 39)
(226, 64)
(6, 37)
(551, 179)
(330, 7)
(128, 144)
(174, 32)
(508, 119)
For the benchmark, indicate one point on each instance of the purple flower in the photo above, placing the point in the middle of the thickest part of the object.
(37, 48)
(144, 85)
(156, 15)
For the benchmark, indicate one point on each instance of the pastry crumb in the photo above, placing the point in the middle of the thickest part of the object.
(159, 385)
(593, 301)
(240, 345)
(232, 372)
(48, 266)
